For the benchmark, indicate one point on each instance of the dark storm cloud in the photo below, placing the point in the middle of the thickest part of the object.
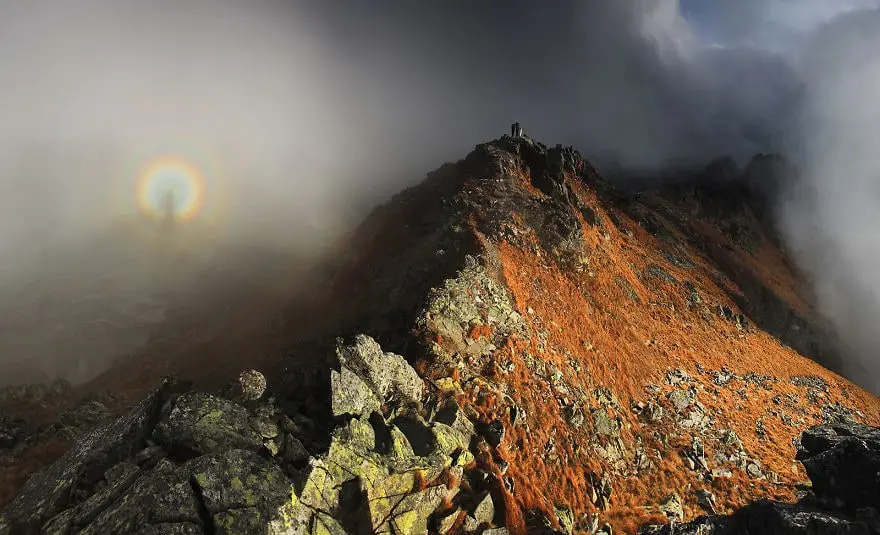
(622, 78)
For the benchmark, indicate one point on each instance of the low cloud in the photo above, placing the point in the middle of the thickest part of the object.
(302, 115)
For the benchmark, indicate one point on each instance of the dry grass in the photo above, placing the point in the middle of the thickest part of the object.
(626, 345)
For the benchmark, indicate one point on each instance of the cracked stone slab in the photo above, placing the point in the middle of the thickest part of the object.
(201, 423)
(239, 479)
(387, 374)
(162, 496)
(351, 394)
(48, 493)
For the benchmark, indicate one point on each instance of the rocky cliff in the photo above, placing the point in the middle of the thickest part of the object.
(524, 347)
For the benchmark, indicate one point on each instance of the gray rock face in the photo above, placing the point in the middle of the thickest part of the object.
(201, 423)
(51, 491)
(351, 395)
(387, 374)
(843, 462)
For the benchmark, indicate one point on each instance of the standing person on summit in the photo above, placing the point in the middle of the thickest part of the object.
(515, 130)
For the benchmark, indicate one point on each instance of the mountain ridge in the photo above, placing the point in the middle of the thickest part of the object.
(611, 349)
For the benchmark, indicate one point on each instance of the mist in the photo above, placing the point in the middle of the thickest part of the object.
(832, 216)
(301, 116)
(90, 94)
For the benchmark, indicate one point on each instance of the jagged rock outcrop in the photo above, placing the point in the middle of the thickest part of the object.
(75, 476)
(190, 462)
(843, 463)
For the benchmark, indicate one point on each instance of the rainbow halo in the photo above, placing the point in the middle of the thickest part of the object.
(173, 179)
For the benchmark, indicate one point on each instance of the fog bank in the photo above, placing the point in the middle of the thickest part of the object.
(302, 115)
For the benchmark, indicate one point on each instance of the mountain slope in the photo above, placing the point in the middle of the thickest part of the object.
(620, 354)
(586, 304)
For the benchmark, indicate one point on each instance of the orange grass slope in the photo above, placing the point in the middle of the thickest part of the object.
(647, 367)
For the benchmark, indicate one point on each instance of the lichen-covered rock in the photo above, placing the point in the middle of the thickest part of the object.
(119, 479)
(605, 425)
(470, 298)
(87, 415)
(264, 427)
(201, 423)
(238, 479)
(565, 517)
(324, 524)
(251, 385)
(401, 450)
(447, 439)
(351, 395)
(681, 399)
(388, 375)
(484, 512)
(394, 508)
(446, 522)
(49, 492)
(452, 415)
(243, 520)
(672, 507)
(410, 516)
(163, 496)
(293, 450)
(175, 528)
(197, 463)
(292, 518)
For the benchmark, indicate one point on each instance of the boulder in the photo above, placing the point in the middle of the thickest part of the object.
(191, 462)
(164, 496)
(843, 462)
(248, 387)
(452, 415)
(484, 512)
(388, 375)
(351, 395)
(201, 423)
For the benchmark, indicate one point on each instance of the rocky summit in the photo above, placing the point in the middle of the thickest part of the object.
(515, 345)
